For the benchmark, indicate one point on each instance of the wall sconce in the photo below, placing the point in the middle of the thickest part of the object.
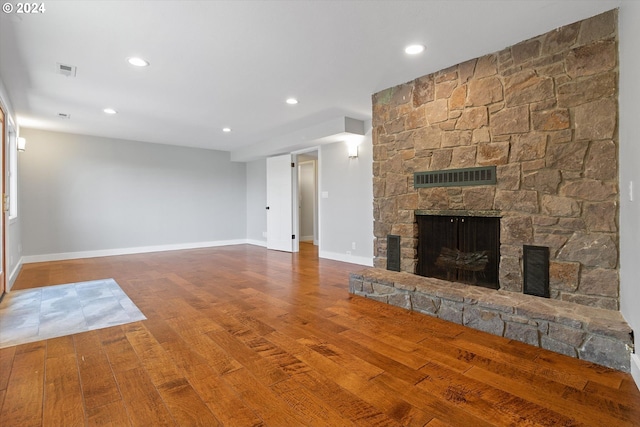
(22, 144)
(353, 150)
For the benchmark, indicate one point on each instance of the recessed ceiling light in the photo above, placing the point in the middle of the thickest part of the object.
(414, 49)
(110, 111)
(226, 129)
(138, 62)
(292, 101)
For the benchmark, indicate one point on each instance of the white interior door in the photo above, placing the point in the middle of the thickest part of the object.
(280, 203)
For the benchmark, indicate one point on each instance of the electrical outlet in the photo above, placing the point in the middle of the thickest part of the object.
(264, 234)
(353, 245)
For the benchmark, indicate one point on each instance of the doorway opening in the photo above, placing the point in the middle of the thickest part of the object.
(307, 197)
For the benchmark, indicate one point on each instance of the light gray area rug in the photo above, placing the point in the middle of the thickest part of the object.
(54, 311)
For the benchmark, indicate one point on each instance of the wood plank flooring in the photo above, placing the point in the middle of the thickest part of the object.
(242, 336)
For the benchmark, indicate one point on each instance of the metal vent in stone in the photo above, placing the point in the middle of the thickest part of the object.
(536, 270)
(485, 175)
(393, 252)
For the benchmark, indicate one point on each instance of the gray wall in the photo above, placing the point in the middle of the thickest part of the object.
(629, 34)
(80, 193)
(346, 215)
(257, 201)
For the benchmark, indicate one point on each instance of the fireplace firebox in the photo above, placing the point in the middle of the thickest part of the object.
(462, 249)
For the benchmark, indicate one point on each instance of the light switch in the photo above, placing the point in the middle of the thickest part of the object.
(325, 194)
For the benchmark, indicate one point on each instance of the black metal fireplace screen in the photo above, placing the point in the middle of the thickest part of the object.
(459, 249)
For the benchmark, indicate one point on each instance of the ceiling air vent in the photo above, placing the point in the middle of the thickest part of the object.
(485, 175)
(66, 70)
(64, 115)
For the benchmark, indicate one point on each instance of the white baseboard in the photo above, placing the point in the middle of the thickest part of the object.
(254, 242)
(347, 258)
(306, 238)
(352, 259)
(635, 369)
(13, 275)
(176, 247)
(129, 251)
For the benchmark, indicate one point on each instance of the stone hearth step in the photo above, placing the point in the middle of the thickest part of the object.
(588, 333)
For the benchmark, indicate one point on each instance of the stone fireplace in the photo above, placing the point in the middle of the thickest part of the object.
(544, 114)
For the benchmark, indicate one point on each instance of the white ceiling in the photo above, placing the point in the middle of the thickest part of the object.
(233, 63)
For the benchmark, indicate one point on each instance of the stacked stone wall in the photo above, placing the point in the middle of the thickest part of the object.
(545, 113)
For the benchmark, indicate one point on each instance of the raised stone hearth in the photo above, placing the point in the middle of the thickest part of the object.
(592, 334)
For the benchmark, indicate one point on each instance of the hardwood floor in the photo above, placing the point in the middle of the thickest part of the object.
(242, 336)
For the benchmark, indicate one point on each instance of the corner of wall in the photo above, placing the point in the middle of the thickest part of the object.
(352, 259)
(14, 274)
(635, 369)
(628, 16)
